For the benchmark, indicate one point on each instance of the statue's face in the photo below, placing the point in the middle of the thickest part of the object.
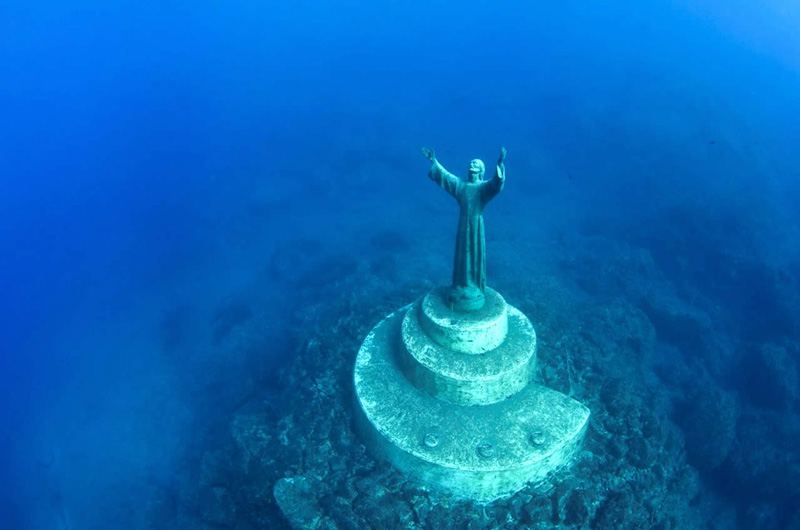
(476, 170)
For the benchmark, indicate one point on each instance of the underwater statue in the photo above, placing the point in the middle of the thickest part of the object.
(468, 291)
(445, 385)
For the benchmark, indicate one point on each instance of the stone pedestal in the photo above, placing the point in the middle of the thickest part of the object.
(444, 396)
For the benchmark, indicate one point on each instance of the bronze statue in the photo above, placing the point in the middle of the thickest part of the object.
(469, 267)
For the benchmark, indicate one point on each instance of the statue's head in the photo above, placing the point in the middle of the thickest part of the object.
(476, 170)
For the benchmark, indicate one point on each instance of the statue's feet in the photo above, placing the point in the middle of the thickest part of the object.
(465, 299)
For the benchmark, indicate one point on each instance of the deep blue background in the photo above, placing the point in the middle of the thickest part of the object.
(147, 152)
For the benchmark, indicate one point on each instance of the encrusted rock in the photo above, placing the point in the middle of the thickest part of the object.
(709, 423)
(770, 378)
(296, 498)
(576, 510)
(217, 506)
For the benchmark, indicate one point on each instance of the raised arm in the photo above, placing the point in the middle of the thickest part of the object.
(495, 186)
(449, 182)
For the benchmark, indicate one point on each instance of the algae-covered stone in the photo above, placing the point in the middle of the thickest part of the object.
(709, 423)
(296, 499)
(771, 379)
(217, 506)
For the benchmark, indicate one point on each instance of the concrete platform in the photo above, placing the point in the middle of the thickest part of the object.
(471, 333)
(479, 379)
(475, 452)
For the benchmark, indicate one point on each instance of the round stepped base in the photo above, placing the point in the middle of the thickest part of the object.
(481, 452)
(469, 379)
(473, 333)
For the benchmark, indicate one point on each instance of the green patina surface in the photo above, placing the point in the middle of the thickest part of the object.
(469, 264)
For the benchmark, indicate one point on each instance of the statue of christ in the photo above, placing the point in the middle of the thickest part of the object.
(469, 266)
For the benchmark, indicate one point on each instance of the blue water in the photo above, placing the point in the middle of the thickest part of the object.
(174, 170)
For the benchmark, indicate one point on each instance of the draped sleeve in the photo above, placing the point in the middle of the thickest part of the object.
(449, 182)
(492, 187)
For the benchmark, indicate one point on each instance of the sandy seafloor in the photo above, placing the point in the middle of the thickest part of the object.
(680, 437)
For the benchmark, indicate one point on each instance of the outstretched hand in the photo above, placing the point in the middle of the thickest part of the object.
(429, 154)
(502, 156)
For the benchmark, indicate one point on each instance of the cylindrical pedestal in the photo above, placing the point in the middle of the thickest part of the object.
(470, 333)
(477, 378)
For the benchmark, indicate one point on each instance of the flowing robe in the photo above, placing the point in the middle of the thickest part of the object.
(469, 265)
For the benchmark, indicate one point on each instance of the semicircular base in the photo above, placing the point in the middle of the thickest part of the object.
(479, 452)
